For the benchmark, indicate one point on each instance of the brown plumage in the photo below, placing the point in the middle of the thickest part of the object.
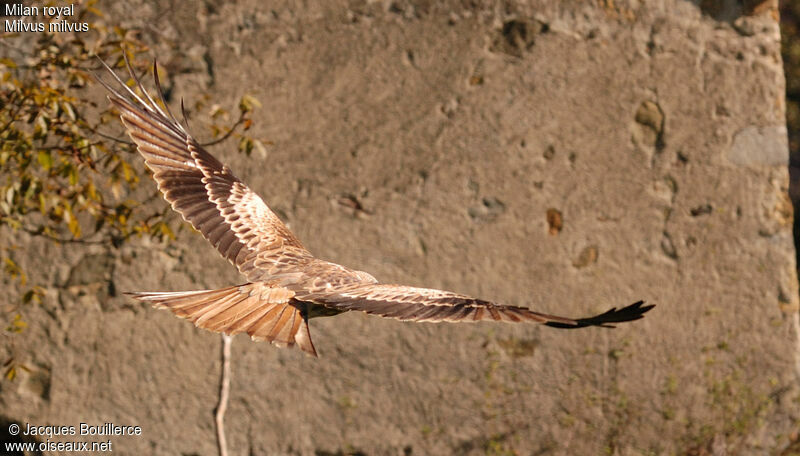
(286, 284)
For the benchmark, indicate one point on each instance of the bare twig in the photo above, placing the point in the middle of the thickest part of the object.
(242, 119)
(224, 389)
(111, 138)
(56, 239)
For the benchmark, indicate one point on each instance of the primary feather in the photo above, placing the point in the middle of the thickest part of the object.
(286, 285)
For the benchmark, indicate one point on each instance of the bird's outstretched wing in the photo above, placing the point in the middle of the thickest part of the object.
(247, 233)
(203, 190)
(423, 304)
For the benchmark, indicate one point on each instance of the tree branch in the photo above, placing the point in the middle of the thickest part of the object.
(224, 389)
(241, 120)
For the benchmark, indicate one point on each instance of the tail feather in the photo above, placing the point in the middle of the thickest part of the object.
(262, 327)
(247, 321)
(223, 318)
(264, 313)
(201, 313)
(280, 332)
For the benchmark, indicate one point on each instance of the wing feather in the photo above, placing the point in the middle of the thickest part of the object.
(424, 304)
(203, 190)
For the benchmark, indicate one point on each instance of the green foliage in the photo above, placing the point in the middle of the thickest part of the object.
(64, 176)
(56, 166)
(57, 173)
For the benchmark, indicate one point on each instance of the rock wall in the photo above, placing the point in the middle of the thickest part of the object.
(564, 155)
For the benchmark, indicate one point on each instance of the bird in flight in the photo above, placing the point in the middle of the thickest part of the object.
(286, 285)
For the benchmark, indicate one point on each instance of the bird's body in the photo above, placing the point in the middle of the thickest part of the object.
(286, 285)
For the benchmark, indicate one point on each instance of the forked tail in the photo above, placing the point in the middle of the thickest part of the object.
(262, 312)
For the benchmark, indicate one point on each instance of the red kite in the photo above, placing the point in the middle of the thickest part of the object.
(286, 285)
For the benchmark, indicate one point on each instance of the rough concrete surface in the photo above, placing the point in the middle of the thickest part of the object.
(564, 155)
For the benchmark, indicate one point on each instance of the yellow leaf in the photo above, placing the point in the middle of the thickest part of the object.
(73, 176)
(45, 160)
(10, 196)
(116, 189)
(260, 149)
(247, 103)
(91, 190)
(127, 173)
(165, 230)
(216, 111)
(41, 127)
(72, 224)
(17, 325)
(70, 112)
(15, 271)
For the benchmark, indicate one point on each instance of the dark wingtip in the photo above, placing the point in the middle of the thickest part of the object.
(632, 312)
